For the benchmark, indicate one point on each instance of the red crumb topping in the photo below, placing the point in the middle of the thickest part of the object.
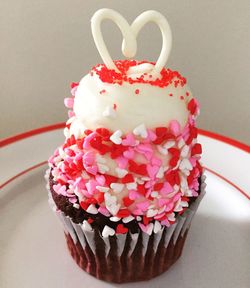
(166, 78)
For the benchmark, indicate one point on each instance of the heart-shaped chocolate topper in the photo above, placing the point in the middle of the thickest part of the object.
(129, 45)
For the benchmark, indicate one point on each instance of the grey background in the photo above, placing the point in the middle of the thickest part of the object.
(45, 45)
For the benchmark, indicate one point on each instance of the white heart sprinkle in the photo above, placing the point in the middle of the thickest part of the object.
(150, 228)
(184, 183)
(169, 144)
(102, 189)
(157, 227)
(141, 131)
(160, 173)
(111, 205)
(92, 209)
(100, 159)
(109, 112)
(184, 151)
(171, 217)
(139, 180)
(107, 231)
(162, 150)
(117, 187)
(109, 199)
(115, 219)
(162, 209)
(116, 137)
(102, 168)
(114, 208)
(154, 194)
(66, 132)
(185, 165)
(152, 212)
(86, 226)
(75, 205)
(181, 143)
(131, 186)
(138, 218)
(121, 172)
(128, 219)
(145, 178)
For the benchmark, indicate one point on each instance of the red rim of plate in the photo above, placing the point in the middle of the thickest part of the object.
(213, 135)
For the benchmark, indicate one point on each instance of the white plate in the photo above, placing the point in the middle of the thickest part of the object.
(33, 252)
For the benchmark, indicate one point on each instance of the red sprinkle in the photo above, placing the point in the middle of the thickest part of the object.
(73, 85)
(137, 91)
(84, 205)
(158, 186)
(113, 77)
(196, 149)
(114, 106)
(90, 220)
(122, 213)
(121, 229)
(102, 91)
(127, 201)
(127, 179)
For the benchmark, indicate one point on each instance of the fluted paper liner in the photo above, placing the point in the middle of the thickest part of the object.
(127, 257)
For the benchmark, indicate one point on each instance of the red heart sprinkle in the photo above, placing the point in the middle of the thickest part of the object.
(158, 186)
(127, 201)
(84, 205)
(127, 179)
(122, 213)
(121, 229)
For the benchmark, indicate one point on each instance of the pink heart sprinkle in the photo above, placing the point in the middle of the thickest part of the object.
(151, 135)
(165, 223)
(88, 158)
(152, 171)
(143, 227)
(104, 211)
(129, 140)
(80, 183)
(163, 202)
(143, 205)
(92, 169)
(133, 194)
(91, 186)
(87, 140)
(166, 189)
(156, 161)
(175, 127)
(129, 153)
(71, 113)
(169, 207)
(100, 179)
(122, 162)
(177, 197)
(192, 161)
(69, 102)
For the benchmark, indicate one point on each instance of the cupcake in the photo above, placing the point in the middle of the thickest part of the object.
(127, 181)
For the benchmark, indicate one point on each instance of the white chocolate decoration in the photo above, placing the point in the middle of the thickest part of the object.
(129, 45)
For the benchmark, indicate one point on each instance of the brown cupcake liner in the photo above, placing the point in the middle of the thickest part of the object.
(127, 257)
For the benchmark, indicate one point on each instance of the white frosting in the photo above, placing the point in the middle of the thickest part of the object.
(152, 106)
(129, 45)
